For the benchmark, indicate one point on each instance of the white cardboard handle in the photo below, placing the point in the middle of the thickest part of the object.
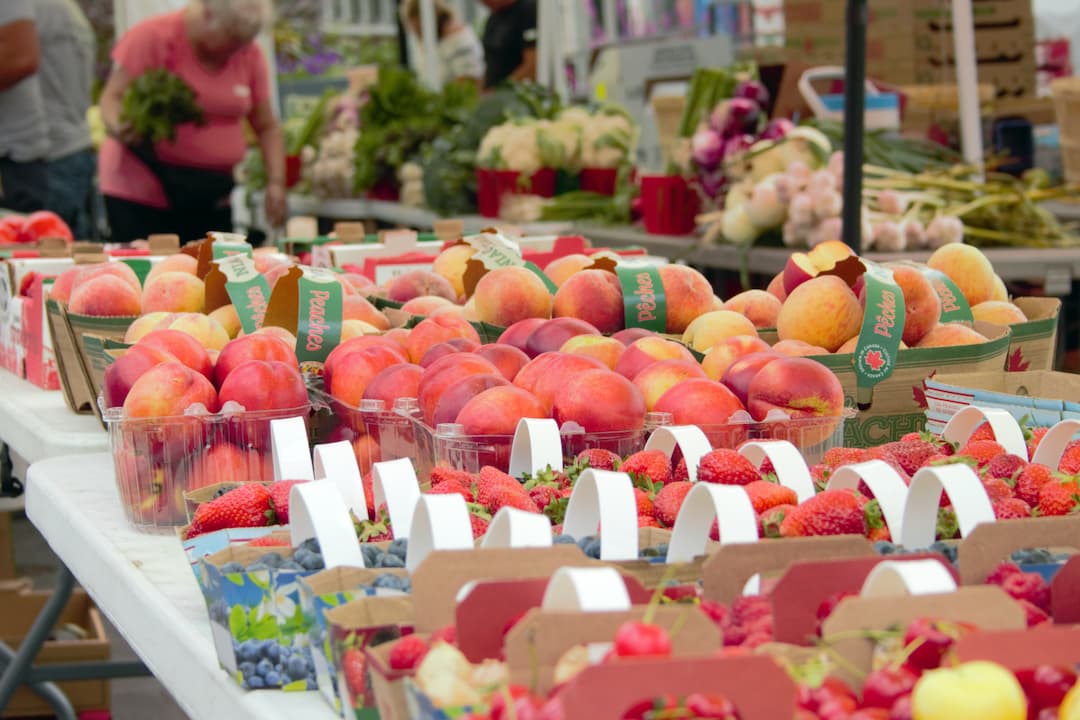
(395, 485)
(289, 447)
(439, 522)
(513, 528)
(966, 491)
(336, 463)
(604, 498)
(791, 469)
(599, 589)
(316, 510)
(1054, 442)
(911, 577)
(688, 438)
(886, 485)
(537, 445)
(1007, 431)
(729, 505)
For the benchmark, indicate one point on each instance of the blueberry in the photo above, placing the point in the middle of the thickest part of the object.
(300, 553)
(249, 651)
(271, 650)
(311, 545)
(296, 668)
(564, 540)
(371, 555)
(292, 566)
(272, 679)
(219, 492)
(219, 613)
(386, 580)
(406, 585)
(584, 542)
(313, 562)
(247, 669)
(884, 547)
(273, 559)
(255, 682)
(312, 684)
(399, 546)
(257, 566)
(391, 561)
(592, 548)
(232, 567)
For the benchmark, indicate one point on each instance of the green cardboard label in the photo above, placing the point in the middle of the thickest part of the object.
(318, 327)
(223, 249)
(140, 265)
(954, 306)
(644, 305)
(248, 290)
(882, 329)
(551, 286)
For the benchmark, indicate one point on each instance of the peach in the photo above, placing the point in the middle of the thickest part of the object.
(822, 311)
(459, 394)
(453, 345)
(360, 283)
(229, 319)
(708, 329)
(922, 304)
(507, 358)
(396, 381)
(552, 334)
(203, 328)
(398, 336)
(183, 347)
(104, 296)
(508, 294)
(717, 302)
(599, 401)
(630, 335)
(355, 307)
(356, 328)
(347, 289)
(700, 401)
(453, 310)
(168, 390)
(498, 410)
(998, 312)
(225, 462)
(1000, 292)
(65, 281)
(252, 347)
(547, 372)
(776, 287)
(594, 296)
(174, 292)
(968, 268)
(278, 332)
(644, 352)
(451, 264)
(798, 269)
(363, 343)
(443, 374)
(276, 272)
(563, 268)
(757, 306)
(687, 293)
(418, 283)
(116, 269)
(146, 324)
(725, 352)
(607, 350)
(434, 330)
(264, 385)
(798, 348)
(348, 377)
(828, 254)
(426, 304)
(367, 451)
(741, 373)
(126, 369)
(949, 334)
(180, 262)
(660, 377)
(801, 389)
(517, 335)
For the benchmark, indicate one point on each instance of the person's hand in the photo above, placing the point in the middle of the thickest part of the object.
(275, 203)
(123, 132)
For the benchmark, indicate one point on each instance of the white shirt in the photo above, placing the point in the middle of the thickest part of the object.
(460, 55)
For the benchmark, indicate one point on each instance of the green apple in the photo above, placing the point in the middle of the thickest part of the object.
(976, 690)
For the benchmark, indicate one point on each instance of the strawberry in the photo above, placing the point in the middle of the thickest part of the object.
(644, 502)
(479, 526)
(598, 459)
(838, 457)
(407, 653)
(1070, 458)
(644, 521)
(726, 467)
(669, 500)
(1030, 479)
(982, 451)
(452, 487)
(876, 529)
(997, 489)
(911, 436)
(819, 473)
(1034, 439)
(354, 665)
(648, 467)
(1056, 497)
(378, 530)
(496, 489)
(764, 495)
(887, 455)
(997, 575)
(445, 473)
(771, 520)
(279, 498)
(446, 634)
(245, 506)
(832, 512)
(912, 454)
(1028, 586)
(544, 495)
(270, 541)
(982, 432)
(680, 474)
(1011, 509)
(1006, 467)
(369, 492)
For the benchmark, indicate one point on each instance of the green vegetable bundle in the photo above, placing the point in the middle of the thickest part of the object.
(157, 103)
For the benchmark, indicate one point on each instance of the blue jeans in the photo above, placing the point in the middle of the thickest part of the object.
(71, 182)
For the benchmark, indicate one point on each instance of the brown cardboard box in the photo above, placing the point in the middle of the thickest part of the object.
(1033, 345)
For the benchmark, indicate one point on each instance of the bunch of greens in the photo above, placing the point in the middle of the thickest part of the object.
(399, 119)
(449, 162)
(890, 150)
(157, 103)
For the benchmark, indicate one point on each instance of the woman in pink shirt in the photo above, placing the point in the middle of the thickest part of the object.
(183, 186)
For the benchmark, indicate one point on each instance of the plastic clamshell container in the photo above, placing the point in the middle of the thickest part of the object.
(813, 436)
(158, 460)
(377, 432)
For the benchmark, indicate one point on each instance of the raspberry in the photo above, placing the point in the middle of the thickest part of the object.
(1002, 571)
(1030, 587)
(408, 652)
(747, 608)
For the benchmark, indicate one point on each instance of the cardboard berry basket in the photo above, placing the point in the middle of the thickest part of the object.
(160, 459)
(1033, 344)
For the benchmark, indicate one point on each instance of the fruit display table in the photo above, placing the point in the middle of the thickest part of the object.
(146, 588)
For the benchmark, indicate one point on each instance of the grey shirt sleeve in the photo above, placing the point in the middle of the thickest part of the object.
(12, 10)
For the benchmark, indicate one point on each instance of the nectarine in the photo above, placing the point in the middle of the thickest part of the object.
(660, 377)
(757, 306)
(594, 296)
(687, 294)
(508, 294)
(968, 268)
(599, 401)
(708, 329)
(822, 311)
(725, 352)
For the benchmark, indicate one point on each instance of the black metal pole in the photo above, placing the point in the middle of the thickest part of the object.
(854, 116)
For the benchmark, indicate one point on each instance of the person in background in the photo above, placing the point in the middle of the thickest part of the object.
(461, 58)
(67, 77)
(211, 45)
(24, 139)
(510, 41)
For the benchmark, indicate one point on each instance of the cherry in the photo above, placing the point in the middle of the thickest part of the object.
(1046, 685)
(638, 639)
(901, 709)
(883, 687)
(711, 706)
